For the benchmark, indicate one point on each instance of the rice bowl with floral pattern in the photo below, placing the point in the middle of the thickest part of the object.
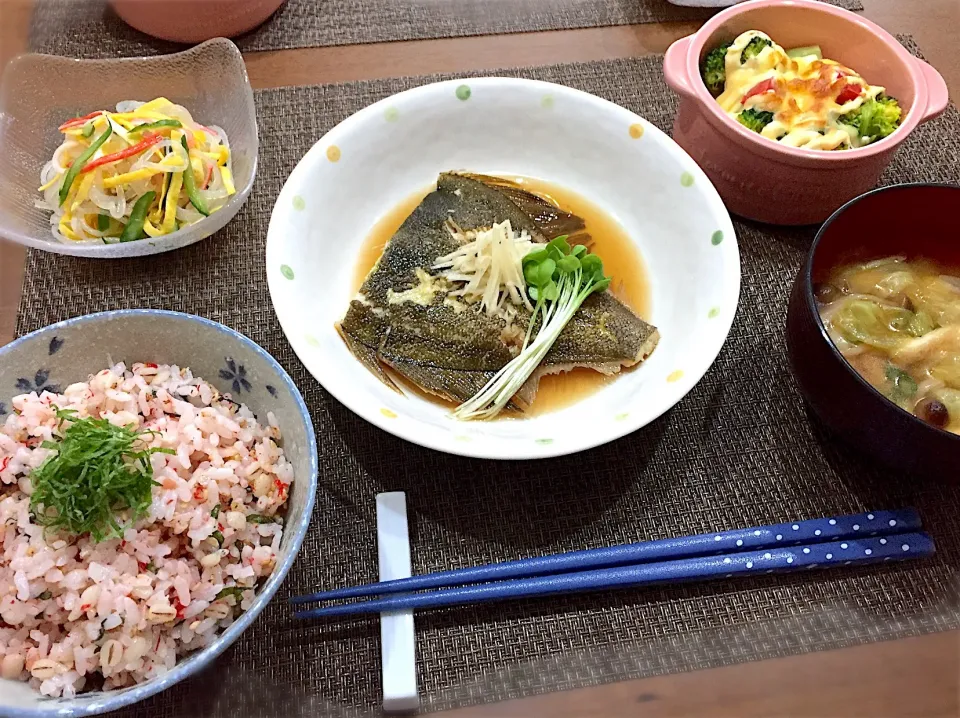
(218, 468)
(357, 175)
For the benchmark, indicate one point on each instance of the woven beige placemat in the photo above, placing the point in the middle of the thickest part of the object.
(738, 451)
(89, 28)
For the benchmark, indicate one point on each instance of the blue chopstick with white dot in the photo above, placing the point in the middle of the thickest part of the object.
(831, 554)
(770, 537)
(816, 530)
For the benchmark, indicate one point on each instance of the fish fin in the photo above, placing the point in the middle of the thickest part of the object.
(453, 385)
(550, 219)
(523, 399)
(529, 389)
(646, 349)
(368, 357)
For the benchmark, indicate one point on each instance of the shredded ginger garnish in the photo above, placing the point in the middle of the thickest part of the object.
(490, 262)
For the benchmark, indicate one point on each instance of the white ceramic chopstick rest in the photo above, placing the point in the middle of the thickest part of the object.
(398, 648)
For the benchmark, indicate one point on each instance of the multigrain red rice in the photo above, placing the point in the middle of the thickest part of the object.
(75, 614)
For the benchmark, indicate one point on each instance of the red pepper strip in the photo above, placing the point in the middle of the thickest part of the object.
(849, 92)
(766, 86)
(206, 182)
(79, 120)
(148, 141)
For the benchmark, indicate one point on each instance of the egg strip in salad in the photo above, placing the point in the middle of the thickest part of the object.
(797, 97)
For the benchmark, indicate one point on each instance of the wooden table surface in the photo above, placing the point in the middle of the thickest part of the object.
(910, 677)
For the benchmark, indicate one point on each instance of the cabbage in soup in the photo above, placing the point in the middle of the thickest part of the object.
(898, 324)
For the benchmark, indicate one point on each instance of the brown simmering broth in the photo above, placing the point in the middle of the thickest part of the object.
(610, 242)
(897, 322)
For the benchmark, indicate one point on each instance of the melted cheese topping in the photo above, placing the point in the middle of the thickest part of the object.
(802, 93)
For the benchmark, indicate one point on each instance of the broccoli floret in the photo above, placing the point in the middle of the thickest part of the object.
(754, 47)
(874, 119)
(755, 120)
(714, 69)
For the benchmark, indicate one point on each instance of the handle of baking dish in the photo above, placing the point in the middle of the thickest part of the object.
(675, 66)
(937, 94)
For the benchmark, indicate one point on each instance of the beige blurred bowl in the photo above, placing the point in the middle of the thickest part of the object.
(193, 21)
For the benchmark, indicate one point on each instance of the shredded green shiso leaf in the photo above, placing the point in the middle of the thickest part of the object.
(235, 591)
(98, 472)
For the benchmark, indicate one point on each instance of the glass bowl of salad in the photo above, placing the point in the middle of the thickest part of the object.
(125, 157)
(794, 107)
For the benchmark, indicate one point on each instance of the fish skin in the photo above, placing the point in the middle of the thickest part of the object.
(549, 220)
(453, 354)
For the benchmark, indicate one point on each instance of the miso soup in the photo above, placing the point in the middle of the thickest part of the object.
(897, 322)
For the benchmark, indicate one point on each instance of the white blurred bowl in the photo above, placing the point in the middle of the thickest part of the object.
(599, 150)
(39, 92)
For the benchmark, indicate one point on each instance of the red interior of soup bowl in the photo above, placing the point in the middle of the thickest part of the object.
(915, 221)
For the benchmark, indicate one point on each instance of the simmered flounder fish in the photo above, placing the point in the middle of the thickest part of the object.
(408, 316)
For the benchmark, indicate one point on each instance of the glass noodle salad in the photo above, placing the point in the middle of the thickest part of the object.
(146, 170)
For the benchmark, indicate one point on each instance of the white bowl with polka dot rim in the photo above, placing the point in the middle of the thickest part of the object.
(377, 158)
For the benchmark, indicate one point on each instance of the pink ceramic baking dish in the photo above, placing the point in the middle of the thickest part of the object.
(762, 179)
